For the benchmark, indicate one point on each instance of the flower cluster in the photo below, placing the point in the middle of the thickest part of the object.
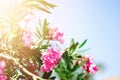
(27, 17)
(2, 66)
(27, 39)
(41, 57)
(55, 34)
(33, 51)
(89, 66)
(50, 59)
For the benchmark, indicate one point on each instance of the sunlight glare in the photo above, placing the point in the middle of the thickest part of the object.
(5, 6)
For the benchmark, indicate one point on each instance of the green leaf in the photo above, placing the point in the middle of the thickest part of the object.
(80, 76)
(61, 74)
(73, 47)
(46, 4)
(67, 60)
(75, 56)
(71, 44)
(36, 6)
(76, 66)
(82, 51)
(52, 78)
(47, 75)
(63, 71)
(39, 32)
(45, 27)
(83, 43)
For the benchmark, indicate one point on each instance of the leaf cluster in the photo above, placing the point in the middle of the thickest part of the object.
(69, 67)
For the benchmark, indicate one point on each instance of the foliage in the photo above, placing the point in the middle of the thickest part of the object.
(34, 55)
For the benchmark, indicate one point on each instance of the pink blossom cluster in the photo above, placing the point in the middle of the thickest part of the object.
(50, 59)
(56, 35)
(28, 16)
(27, 38)
(2, 66)
(89, 66)
(26, 20)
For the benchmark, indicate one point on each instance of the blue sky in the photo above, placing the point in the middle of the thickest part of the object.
(99, 22)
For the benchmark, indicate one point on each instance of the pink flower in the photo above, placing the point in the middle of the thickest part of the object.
(28, 16)
(1, 71)
(2, 64)
(89, 66)
(27, 38)
(3, 77)
(26, 20)
(50, 59)
(56, 35)
(93, 68)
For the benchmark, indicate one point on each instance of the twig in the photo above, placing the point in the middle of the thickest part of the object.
(16, 61)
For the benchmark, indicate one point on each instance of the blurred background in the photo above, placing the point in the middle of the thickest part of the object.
(99, 22)
(95, 20)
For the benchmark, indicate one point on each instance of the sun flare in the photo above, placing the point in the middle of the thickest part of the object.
(5, 6)
(8, 7)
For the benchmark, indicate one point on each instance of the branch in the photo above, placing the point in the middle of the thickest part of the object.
(16, 61)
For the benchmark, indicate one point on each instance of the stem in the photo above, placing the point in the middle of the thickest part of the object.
(16, 61)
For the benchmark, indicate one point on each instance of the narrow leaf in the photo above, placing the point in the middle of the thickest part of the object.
(67, 60)
(81, 45)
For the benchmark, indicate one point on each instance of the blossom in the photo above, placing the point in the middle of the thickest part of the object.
(27, 38)
(3, 77)
(28, 16)
(2, 64)
(56, 35)
(26, 20)
(50, 59)
(89, 66)
(1, 71)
